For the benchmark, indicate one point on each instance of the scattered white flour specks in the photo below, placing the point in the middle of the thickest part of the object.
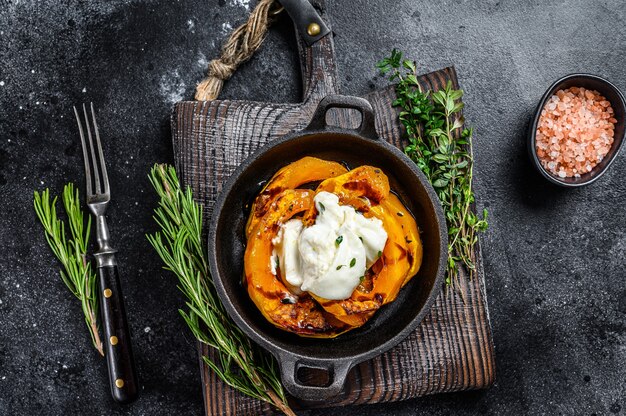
(172, 87)
(32, 71)
(226, 28)
(1, 83)
(202, 62)
(84, 89)
(64, 367)
(241, 3)
(190, 25)
(146, 329)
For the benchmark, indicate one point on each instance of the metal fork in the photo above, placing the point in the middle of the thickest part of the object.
(122, 375)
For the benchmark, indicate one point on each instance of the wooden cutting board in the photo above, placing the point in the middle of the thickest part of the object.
(452, 349)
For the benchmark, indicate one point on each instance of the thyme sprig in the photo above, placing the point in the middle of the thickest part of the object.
(76, 273)
(442, 149)
(239, 363)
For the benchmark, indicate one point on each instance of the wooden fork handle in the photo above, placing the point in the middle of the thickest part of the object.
(117, 341)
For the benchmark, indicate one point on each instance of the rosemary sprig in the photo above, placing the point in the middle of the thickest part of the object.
(76, 273)
(240, 363)
(443, 151)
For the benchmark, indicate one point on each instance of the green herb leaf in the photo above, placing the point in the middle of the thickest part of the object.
(322, 207)
(238, 362)
(77, 273)
(352, 262)
(338, 240)
(432, 121)
(410, 65)
(440, 183)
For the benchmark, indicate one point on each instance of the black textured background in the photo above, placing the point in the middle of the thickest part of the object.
(555, 258)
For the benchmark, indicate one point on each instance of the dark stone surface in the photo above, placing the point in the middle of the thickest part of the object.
(554, 258)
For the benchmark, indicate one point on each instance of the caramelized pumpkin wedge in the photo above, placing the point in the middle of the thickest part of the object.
(411, 235)
(279, 306)
(305, 170)
(361, 188)
(366, 188)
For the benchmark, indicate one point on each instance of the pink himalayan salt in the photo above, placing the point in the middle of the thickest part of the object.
(575, 132)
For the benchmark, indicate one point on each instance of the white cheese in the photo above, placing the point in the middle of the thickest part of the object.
(328, 258)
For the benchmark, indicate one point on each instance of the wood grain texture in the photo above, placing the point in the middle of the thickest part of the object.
(452, 349)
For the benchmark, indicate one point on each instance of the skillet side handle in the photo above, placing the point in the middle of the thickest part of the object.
(337, 372)
(367, 127)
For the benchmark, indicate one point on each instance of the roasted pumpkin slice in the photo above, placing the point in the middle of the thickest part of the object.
(412, 238)
(305, 170)
(361, 188)
(278, 305)
(366, 188)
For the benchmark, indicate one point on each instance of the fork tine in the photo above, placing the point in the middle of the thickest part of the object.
(103, 166)
(94, 160)
(85, 154)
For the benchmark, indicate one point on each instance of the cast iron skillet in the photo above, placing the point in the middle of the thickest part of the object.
(393, 322)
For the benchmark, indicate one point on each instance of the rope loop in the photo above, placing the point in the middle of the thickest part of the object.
(240, 46)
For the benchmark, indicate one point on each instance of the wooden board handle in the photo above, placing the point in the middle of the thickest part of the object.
(318, 63)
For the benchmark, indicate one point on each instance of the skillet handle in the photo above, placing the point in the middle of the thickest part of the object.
(337, 373)
(366, 129)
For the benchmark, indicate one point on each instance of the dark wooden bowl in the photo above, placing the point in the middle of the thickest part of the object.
(615, 97)
(394, 321)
